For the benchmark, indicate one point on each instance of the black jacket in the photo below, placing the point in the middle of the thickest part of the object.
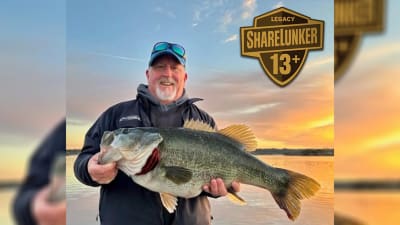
(122, 201)
(38, 174)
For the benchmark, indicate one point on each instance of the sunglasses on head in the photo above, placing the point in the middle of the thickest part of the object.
(161, 46)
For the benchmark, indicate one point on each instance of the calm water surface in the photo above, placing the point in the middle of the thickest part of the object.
(6, 197)
(260, 208)
(371, 208)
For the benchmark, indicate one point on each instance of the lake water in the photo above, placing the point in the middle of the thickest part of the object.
(6, 197)
(369, 207)
(260, 209)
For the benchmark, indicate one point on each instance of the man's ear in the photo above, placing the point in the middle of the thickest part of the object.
(186, 77)
(147, 74)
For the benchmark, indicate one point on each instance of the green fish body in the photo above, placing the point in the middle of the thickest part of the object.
(191, 156)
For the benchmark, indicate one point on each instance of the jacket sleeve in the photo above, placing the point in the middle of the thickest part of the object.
(90, 147)
(38, 174)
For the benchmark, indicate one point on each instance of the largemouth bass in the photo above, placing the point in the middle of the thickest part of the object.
(177, 162)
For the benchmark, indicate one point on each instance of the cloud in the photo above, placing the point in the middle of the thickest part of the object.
(197, 15)
(300, 115)
(217, 10)
(225, 21)
(225, 15)
(250, 110)
(387, 53)
(366, 116)
(205, 10)
(366, 113)
(248, 7)
(118, 57)
(322, 61)
(231, 38)
(278, 5)
(165, 12)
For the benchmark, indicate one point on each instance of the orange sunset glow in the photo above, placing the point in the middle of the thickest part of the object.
(367, 122)
(299, 116)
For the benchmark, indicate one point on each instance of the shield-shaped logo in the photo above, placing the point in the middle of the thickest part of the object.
(280, 40)
(353, 18)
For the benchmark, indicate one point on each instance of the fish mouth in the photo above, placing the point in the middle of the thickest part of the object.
(108, 155)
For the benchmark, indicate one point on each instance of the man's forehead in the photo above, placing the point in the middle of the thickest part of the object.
(166, 59)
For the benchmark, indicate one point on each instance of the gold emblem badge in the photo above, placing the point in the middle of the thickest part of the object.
(281, 39)
(353, 18)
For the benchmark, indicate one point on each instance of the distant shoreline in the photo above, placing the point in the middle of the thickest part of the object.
(340, 185)
(367, 185)
(9, 184)
(267, 151)
(73, 151)
(294, 152)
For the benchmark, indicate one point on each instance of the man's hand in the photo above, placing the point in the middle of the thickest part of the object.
(216, 187)
(102, 174)
(46, 213)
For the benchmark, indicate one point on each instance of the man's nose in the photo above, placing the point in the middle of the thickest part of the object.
(168, 71)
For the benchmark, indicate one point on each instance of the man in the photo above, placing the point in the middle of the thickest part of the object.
(31, 205)
(161, 103)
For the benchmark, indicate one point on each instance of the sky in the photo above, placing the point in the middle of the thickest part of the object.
(367, 122)
(76, 58)
(108, 48)
(80, 57)
(32, 87)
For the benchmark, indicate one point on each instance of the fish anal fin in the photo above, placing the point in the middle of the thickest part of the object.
(299, 187)
(233, 197)
(242, 134)
(198, 125)
(178, 175)
(169, 202)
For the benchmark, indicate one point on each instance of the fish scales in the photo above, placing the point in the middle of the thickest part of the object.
(207, 155)
(190, 158)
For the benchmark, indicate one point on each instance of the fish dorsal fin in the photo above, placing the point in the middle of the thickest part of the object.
(242, 134)
(198, 125)
(169, 202)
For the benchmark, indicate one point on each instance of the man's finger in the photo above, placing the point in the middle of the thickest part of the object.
(221, 187)
(213, 187)
(111, 165)
(206, 188)
(236, 186)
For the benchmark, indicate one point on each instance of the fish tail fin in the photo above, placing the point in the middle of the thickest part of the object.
(298, 187)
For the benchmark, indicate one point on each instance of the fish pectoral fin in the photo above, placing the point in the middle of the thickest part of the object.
(178, 175)
(232, 195)
(169, 202)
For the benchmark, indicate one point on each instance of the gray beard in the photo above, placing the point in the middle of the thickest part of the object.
(166, 95)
